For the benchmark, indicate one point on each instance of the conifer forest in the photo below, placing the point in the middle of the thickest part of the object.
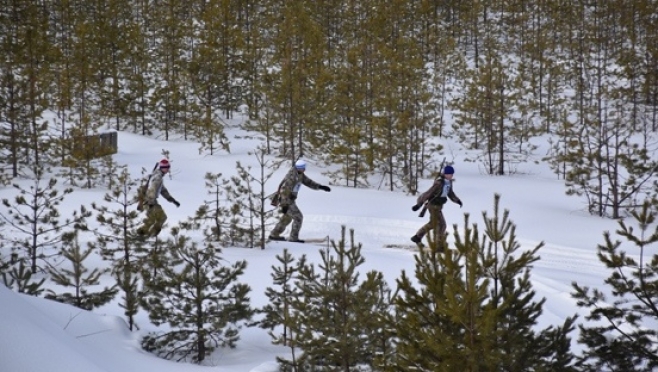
(369, 87)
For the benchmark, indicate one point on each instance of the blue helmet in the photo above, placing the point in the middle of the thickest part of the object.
(448, 170)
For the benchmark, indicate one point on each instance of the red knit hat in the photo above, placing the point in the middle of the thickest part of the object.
(164, 163)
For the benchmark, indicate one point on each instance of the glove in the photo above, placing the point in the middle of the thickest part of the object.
(284, 209)
(325, 188)
(176, 203)
(460, 204)
(415, 207)
(293, 197)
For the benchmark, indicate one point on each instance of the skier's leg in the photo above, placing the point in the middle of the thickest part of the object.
(160, 217)
(155, 219)
(440, 231)
(148, 222)
(441, 225)
(284, 221)
(297, 219)
(429, 226)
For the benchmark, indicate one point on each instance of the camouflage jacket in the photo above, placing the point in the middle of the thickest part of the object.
(156, 188)
(289, 187)
(437, 195)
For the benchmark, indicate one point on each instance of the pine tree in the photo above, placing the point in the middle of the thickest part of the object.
(610, 165)
(353, 70)
(171, 24)
(19, 278)
(116, 238)
(28, 63)
(474, 308)
(253, 52)
(16, 274)
(127, 277)
(117, 243)
(297, 84)
(113, 37)
(541, 64)
(562, 145)
(82, 115)
(278, 310)
(213, 212)
(507, 267)
(213, 71)
(487, 110)
(608, 161)
(241, 208)
(4, 264)
(249, 201)
(33, 214)
(14, 128)
(64, 17)
(337, 318)
(109, 170)
(200, 299)
(621, 336)
(79, 278)
(423, 327)
(402, 98)
(78, 150)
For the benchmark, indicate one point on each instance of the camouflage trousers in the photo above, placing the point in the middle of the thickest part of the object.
(437, 222)
(293, 215)
(155, 219)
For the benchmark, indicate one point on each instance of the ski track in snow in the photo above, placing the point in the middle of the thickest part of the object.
(556, 268)
(379, 230)
(567, 259)
(394, 231)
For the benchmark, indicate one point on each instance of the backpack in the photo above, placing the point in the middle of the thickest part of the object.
(427, 195)
(141, 190)
(432, 193)
(276, 197)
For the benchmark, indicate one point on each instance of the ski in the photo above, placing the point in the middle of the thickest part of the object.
(304, 241)
(409, 247)
(316, 240)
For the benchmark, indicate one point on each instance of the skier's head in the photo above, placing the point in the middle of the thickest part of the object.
(448, 171)
(164, 165)
(300, 165)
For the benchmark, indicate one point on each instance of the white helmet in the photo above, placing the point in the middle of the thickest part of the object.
(300, 164)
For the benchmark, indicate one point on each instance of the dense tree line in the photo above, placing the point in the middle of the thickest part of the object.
(365, 84)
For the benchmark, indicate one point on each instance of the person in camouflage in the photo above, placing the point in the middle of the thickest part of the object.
(155, 215)
(287, 193)
(437, 195)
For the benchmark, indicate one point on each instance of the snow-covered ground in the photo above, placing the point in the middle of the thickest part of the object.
(42, 335)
